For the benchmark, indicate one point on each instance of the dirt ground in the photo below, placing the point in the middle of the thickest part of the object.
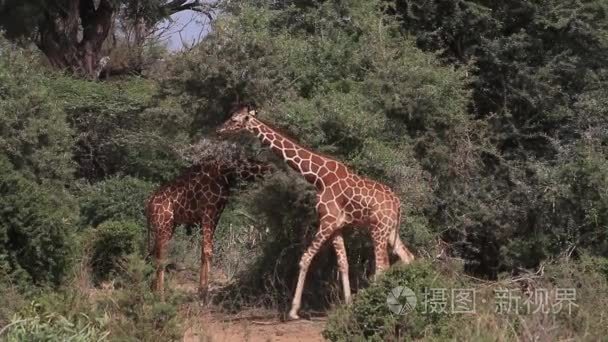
(210, 325)
(214, 327)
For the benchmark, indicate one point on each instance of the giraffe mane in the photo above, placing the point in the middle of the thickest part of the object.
(284, 132)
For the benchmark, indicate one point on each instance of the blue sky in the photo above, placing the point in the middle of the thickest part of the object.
(188, 27)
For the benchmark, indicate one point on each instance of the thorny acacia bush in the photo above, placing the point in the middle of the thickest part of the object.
(370, 317)
(130, 312)
(531, 306)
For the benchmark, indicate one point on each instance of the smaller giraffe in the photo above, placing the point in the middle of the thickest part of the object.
(343, 198)
(197, 196)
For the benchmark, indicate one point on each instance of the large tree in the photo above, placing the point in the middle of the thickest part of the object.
(71, 33)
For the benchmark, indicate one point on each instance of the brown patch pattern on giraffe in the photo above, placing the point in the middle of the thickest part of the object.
(197, 196)
(343, 197)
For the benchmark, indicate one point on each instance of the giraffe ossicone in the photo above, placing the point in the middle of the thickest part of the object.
(343, 198)
(197, 196)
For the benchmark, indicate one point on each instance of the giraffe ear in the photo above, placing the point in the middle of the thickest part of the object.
(253, 112)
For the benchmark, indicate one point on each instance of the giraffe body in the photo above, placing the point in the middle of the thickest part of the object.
(197, 196)
(343, 198)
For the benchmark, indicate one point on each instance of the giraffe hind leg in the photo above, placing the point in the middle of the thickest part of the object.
(161, 238)
(206, 258)
(340, 249)
(399, 248)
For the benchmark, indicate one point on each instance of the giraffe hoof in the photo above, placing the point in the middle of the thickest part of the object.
(293, 315)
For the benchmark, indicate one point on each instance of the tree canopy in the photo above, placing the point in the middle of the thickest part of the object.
(71, 33)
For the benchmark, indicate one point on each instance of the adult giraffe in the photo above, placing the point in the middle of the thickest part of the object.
(197, 196)
(343, 197)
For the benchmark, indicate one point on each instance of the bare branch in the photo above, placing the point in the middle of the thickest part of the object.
(175, 6)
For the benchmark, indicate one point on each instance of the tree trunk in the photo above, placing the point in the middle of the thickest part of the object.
(71, 33)
(72, 36)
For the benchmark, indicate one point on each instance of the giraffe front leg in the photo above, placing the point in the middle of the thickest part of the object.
(206, 259)
(340, 250)
(325, 231)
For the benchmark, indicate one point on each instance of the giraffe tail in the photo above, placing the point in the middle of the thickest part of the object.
(398, 247)
(397, 229)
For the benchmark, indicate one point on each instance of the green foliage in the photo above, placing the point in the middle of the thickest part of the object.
(128, 313)
(120, 128)
(12, 300)
(288, 214)
(138, 315)
(51, 327)
(34, 133)
(577, 188)
(116, 198)
(589, 276)
(36, 228)
(370, 318)
(539, 73)
(111, 243)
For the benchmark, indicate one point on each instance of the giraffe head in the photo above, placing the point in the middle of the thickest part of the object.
(239, 119)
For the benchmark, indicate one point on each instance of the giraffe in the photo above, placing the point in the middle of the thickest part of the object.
(198, 195)
(343, 198)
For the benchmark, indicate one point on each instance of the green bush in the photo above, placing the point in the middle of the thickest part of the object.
(112, 242)
(121, 128)
(37, 228)
(34, 132)
(51, 327)
(116, 198)
(128, 312)
(12, 299)
(136, 314)
(370, 318)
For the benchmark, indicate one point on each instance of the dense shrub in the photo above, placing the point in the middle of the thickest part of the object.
(115, 198)
(539, 87)
(129, 312)
(531, 310)
(370, 317)
(52, 327)
(34, 133)
(120, 128)
(136, 313)
(111, 243)
(37, 225)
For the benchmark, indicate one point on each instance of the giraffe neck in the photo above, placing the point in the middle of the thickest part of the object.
(297, 157)
(252, 170)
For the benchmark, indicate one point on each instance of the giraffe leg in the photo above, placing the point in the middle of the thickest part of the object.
(206, 257)
(162, 236)
(321, 237)
(340, 249)
(381, 255)
(399, 248)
